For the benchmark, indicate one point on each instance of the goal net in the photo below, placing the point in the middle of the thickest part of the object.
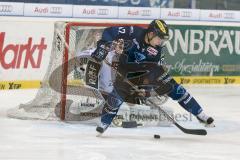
(65, 93)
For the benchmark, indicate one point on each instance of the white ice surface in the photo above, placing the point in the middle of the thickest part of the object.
(45, 140)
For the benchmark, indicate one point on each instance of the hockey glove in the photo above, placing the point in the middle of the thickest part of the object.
(101, 51)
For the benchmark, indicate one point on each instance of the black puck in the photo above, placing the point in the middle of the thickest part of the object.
(156, 136)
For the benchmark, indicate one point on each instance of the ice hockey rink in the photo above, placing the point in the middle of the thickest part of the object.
(56, 140)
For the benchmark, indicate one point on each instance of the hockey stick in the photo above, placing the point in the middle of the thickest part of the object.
(185, 130)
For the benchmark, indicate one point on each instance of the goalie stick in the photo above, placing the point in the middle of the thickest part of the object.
(185, 130)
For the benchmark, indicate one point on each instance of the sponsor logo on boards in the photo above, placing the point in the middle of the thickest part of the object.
(25, 55)
(41, 10)
(179, 14)
(56, 10)
(89, 11)
(103, 11)
(145, 12)
(6, 8)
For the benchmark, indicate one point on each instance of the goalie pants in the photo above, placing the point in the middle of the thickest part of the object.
(178, 93)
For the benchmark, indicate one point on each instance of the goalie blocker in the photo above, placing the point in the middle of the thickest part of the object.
(101, 51)
(104, 47)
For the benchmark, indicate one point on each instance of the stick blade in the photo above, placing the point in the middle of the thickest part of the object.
(201, 132)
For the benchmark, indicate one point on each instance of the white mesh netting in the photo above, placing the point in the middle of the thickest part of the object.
(44, 104)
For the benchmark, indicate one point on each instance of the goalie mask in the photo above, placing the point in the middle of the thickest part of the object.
(160, 29)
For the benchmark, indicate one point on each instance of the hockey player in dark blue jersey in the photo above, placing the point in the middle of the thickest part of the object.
(142, 45)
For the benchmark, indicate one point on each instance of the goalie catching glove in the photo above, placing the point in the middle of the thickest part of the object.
(104, 47)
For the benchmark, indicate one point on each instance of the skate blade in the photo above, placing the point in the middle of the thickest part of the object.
(99, 134)
(210, 125)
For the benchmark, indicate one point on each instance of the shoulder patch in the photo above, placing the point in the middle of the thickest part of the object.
(152, 51)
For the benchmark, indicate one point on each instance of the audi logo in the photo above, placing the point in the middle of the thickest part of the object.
(229, 15)
(6, 8)
(56, 10)
(186, 14)
(103, 12)
(146, 12)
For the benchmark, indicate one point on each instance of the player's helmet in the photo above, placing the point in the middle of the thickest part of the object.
(160, 28)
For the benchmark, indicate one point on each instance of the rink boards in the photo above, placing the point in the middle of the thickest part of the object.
(214, 59)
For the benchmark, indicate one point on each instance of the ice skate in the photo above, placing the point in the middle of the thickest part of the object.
(101, 129)
(206, 120)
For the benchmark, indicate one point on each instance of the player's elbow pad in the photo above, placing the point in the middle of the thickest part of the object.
(101, 51)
